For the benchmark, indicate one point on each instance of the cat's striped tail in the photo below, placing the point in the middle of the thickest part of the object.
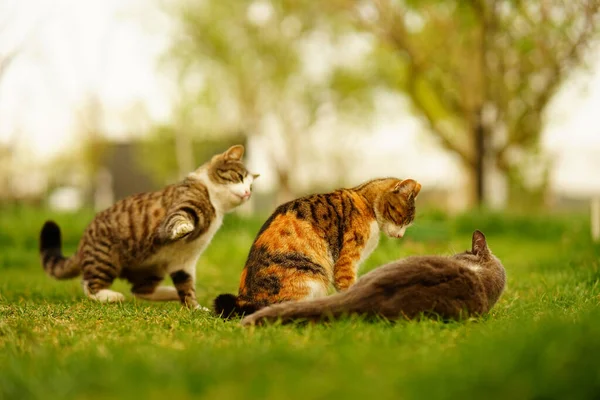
(229, 306)
(55, 264)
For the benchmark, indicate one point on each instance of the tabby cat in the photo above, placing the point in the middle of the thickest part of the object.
(315, 241)
(466, 284)
(147, 236)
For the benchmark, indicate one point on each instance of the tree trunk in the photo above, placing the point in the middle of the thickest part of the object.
(284, 190)
(479, 169)
(184, 153)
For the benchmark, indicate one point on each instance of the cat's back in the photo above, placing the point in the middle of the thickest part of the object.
(421, 284)
(151, 207)
(323, 214)
(133, 221)
(311, 224)
(422, 271)
(144, 209)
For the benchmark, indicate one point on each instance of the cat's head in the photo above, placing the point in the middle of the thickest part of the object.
(227, 178)
(395, 207)
(481, 261)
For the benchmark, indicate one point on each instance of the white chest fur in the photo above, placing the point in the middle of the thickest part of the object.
(371, 243)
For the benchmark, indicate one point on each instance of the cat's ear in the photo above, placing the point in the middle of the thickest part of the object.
(479, 245)
(416, 191)
(234, 152)
(254, 176)
(408, 187)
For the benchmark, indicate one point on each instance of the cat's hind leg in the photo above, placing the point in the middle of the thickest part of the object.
(145, 285)
(99, 272)
(160, 293)
(185, 284)
(301, 287)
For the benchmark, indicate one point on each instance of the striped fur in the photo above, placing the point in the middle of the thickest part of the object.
(145, 237)
(313, 242)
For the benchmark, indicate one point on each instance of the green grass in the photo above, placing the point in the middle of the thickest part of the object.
(542, 340)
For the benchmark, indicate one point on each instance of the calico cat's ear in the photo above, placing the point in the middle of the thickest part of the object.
(409, 187)
(479, 245)
(234, 152)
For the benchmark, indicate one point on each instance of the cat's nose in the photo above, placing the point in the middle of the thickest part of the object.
(247, 194)
(400, 235)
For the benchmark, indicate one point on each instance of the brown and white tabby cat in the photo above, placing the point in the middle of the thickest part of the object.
(463, 285)
(315, 241)
(147, 236)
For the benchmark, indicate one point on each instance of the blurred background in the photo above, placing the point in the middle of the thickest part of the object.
(486, 102)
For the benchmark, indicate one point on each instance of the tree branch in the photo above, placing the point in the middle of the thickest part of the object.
(397, 38)
(518, 132)
(7, 60)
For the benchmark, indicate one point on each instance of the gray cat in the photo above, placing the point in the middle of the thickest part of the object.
(463, 285)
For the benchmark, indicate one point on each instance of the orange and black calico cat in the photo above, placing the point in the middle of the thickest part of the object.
(145, 237)
(315, 241)
(463, 285)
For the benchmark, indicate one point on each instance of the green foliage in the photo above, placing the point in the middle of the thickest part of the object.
(250, 56)
(249, 67)
(531, 226)
(158, 154)
(540, 341)
(480, 67)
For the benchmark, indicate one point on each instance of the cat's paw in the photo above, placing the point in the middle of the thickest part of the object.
(343, 284)
(181, 229)
(198, 307)
(250, 320)
(107, 296)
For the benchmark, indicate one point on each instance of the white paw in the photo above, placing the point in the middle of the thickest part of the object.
(201, 308)
(181, 229)
(108, 296)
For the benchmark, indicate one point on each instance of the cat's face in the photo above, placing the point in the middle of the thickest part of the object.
(395, 209)
(229, 177)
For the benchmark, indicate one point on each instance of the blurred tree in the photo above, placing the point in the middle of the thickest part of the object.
(8, 55)
(480, 73)
(92, 145)
(7, 150)
(15, 35)
(6, 60)
(90, 119)
(161, 153)
(249, 67)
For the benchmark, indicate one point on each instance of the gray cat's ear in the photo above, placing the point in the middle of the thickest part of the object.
(234, 152)
(408, 187)
(479, 245)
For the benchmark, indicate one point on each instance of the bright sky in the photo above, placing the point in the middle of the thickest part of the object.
(109, 48)
(74, 49)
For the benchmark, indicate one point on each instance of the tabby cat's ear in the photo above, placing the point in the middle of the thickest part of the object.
(408, 187)
(234, 152)
(254, 176)
(479, 245)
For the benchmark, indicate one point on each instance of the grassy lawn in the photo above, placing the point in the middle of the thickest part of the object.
(542, 340)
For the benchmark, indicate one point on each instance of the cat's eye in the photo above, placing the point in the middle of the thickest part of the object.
(230, 175)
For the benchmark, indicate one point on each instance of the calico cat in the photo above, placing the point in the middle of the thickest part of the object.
(463, 285)
(315, 241)
(147, 236)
